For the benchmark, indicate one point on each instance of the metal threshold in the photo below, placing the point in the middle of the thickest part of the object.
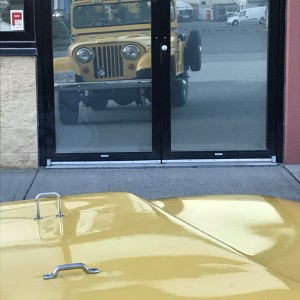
(163, 163)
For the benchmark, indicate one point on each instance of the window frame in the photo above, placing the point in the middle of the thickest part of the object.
(21, 42)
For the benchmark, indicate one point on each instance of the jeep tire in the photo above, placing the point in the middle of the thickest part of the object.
(193, 53)
(98, 102)
(68, 106)
(99, 105)
(179, 91)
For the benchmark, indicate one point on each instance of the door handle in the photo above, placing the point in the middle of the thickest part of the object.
(73, 266)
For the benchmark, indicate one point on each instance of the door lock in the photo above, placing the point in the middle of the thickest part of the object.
(164, 47)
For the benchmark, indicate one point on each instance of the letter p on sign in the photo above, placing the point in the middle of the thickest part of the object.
(17, 19)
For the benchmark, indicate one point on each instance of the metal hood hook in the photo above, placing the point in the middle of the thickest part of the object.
(47, 195)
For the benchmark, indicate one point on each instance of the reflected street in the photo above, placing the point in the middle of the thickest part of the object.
(225, 110)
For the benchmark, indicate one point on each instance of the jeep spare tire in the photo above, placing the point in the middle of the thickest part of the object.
(194, 50)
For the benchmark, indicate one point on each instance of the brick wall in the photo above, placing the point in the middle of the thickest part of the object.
(18, 107)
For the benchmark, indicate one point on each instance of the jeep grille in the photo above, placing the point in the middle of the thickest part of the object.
(108, 62)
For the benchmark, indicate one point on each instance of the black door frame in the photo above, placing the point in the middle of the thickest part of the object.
(46, 107)
(161, 110)
(275, 90)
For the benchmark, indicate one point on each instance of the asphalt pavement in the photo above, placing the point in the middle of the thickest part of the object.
(152, 182)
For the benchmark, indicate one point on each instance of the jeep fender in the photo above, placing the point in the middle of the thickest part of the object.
(63, 64)
(144, 62)
(180, 64)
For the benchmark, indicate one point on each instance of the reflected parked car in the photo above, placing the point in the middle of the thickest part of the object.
(231, 14)
(120, 246)
(249, 15)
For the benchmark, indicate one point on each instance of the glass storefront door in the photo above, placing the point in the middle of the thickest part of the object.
(102, 77)
(161, 80)
(223, 89)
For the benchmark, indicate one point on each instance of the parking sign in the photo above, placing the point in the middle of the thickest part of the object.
(17, 19)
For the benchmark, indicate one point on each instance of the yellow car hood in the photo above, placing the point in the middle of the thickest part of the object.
(142, 251)
(140, 37)
(266, 229)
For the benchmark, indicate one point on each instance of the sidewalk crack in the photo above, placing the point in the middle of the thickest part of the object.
(31, 184)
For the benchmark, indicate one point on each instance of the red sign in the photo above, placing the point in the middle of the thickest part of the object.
(17, 20)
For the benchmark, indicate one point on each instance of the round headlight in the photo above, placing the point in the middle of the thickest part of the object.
(131, 52)
(84, 55)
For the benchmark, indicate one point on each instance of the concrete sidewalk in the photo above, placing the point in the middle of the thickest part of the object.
(153, 182)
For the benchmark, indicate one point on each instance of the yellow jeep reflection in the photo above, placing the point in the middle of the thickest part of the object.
(110, 57)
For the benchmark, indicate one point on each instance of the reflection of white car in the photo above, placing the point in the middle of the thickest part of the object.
(249, 15)
(231, 14)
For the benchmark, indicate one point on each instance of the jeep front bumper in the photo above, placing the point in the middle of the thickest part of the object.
(120, 84)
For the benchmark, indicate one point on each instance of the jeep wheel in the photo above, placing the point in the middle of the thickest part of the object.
(179, 91)
(68, 106)
(127, 96)
(123, 101)
(99, 104)
(194, 50)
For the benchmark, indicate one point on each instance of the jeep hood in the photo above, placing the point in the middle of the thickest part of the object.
(143, 38)
(147, 250)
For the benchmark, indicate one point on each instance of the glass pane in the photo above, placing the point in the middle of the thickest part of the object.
(224, 107)
(102, 76)
(12, 15)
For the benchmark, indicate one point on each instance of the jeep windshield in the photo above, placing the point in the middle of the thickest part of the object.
(112, 14)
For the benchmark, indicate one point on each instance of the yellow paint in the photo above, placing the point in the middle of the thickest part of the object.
(117, 35)
(266, 229)
(143, 252)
